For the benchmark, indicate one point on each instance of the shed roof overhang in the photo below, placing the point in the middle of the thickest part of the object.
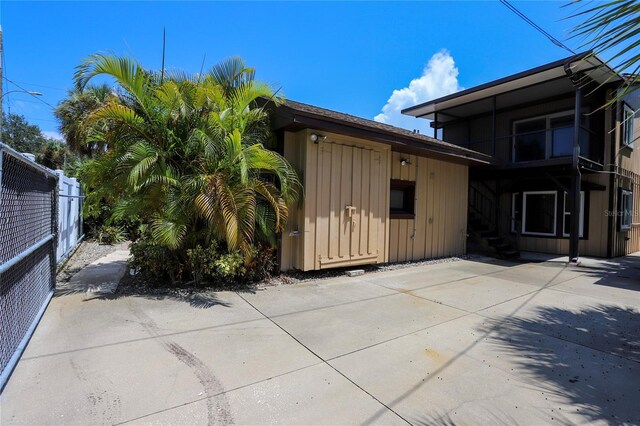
(294, 116)
(533, 85)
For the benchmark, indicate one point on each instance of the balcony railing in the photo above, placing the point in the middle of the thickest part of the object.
(541, 145)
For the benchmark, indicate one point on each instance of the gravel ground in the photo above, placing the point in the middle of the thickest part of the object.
(87, 252)
(131, 286)
(289, 278)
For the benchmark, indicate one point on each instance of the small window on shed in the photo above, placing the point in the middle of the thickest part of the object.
(402, 199)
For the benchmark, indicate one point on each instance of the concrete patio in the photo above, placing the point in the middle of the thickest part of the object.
(467, 342)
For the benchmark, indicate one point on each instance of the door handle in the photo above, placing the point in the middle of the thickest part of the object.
(350, 210)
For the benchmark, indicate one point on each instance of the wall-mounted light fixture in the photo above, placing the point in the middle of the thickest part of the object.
(315, 138)
(404, 162)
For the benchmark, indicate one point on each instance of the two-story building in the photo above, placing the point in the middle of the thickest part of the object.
(564, 175)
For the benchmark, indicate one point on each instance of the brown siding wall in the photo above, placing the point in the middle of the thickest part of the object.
(439, 227)
(628, 177)
(440, 224)
(595, 243)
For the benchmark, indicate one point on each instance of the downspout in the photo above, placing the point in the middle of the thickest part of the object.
(611, 226)
(493, 126)
(574, 195)
(415, 204)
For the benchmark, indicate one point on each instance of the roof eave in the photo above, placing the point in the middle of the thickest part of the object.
(401, 143)
(419, 110)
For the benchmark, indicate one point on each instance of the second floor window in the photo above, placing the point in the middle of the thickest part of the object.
(547, 137)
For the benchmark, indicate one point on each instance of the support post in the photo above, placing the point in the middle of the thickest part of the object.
(493, 126)
(574, 194)
(435, 125)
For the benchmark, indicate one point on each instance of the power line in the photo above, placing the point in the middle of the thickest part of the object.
(41, 85)
(536, 26)
(29, 93)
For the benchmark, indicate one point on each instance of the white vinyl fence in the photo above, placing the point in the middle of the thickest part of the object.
(69, 215)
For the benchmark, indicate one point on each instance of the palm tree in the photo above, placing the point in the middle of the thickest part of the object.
(190, 153)
(613, 28)
(72, 113)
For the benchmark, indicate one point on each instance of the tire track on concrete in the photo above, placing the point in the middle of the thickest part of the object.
(104, 404)
(218, 408)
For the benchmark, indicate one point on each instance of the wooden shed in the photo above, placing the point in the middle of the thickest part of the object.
(374, 193)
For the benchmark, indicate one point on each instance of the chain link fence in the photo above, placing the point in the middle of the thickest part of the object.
(28, 238)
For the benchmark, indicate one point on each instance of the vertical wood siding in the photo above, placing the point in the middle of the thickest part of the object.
(345, 171)
(338, 172)
(595, 243)
(627, 242)
(440, 224)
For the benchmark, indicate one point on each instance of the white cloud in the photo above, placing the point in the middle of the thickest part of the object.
(53, 135)
(439, 78)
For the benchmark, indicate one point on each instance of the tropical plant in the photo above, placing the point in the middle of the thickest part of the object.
(72, 113)
(109, 234)
(190, 155)
(612, 28)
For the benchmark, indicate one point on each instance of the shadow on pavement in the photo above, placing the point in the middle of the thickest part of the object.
(201, 299)
(586, 378)
(621, 272)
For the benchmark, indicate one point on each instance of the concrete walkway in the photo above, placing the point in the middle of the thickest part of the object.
(468, 342)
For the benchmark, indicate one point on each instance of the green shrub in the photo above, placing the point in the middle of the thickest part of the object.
(211, 265)
(231, 266)
(202, 264)
(109, 234)
(153, 263)
(263, 264)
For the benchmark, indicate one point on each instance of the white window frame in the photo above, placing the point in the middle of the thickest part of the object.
(555, 213)
(548, 149)
(513, 211)
(628, 115)
(565, 232)
(623, 226)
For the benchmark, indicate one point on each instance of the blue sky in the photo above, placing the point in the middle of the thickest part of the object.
(344, 56)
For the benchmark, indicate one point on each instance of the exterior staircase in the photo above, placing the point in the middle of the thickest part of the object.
(482, 223)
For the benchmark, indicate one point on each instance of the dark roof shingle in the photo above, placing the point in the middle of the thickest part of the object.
(427, 142)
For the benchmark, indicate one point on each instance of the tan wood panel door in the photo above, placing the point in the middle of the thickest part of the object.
(349, 202)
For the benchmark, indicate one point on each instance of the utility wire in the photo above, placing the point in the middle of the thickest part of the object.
(40, 85)
(536, 26)
(29, 93)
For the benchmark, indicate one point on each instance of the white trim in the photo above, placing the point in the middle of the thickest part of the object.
(627, 125)
(626, 192)
(565, 213)
(555, 212)
(514, 196)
